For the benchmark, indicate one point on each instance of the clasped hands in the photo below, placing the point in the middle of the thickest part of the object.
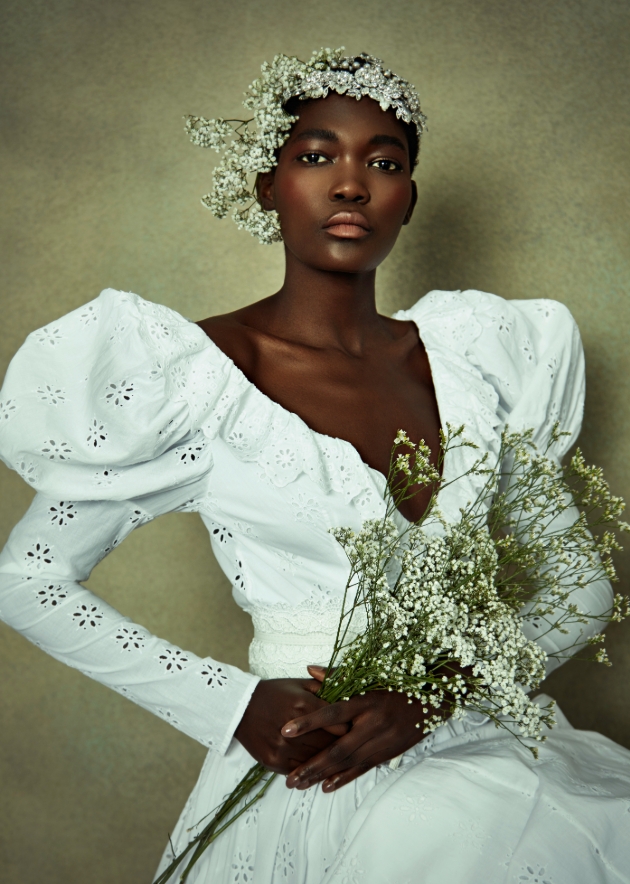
(291, 731)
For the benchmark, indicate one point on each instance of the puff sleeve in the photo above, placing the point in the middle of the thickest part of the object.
(91, 418)
(531, 353)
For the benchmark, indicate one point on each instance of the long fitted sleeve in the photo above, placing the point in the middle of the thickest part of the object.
(89, 424)
(532, 352)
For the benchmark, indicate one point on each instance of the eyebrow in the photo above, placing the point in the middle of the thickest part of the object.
(329, 135)
(323, 134)
(388, 139)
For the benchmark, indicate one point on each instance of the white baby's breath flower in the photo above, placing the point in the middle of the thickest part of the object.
(250, 146)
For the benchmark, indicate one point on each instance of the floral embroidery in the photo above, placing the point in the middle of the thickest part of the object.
(470, 834)
(7, 409)
(221, 534)
(214, 677)
(415, 807)
(239, 580)
(178, 377)
(87, 617)
(190, 453)
(51, 595)
(97, 434)
(130, 639)
(169, 716)
(49, 335)
(62, 513)
(119, 393)
(243, 868)
(117, 332)
(52, 395)
(27, 471)
(349, 872)
(39, 555)
(88, 315)
(306, 509)
(157, 371)
(535, 875)
(56, 450)
(138, 517)
(173, 660)
(159, 330)
(106, 476)
(285, 865)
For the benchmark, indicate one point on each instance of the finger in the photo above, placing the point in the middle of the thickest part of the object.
(333, 714)
(336, 781)
(317, 672)
(344, 753)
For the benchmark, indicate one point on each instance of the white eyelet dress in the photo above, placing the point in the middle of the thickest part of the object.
(123, 410)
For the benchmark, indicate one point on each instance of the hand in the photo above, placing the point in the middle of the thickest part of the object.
(273, 703)
(383, 724)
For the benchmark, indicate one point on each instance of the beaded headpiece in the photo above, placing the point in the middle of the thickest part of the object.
(250, 149)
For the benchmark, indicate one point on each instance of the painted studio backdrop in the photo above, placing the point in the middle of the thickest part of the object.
(524, 185)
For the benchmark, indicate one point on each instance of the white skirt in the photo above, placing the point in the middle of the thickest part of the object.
(468, 805)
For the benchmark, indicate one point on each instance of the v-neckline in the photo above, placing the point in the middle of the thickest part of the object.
(376, 473)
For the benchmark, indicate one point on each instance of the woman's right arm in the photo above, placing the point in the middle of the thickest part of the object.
(49, 553)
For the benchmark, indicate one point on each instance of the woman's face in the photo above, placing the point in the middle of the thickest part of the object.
(342, 187)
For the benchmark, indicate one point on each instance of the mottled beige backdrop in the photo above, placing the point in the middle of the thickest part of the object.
(524, 191)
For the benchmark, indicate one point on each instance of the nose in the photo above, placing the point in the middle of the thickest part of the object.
(349, 185)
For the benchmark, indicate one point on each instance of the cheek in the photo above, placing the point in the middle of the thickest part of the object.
(394, 201)
(296, 197)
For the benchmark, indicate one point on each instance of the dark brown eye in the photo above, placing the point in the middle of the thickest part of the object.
(313, 159)
(387, 165)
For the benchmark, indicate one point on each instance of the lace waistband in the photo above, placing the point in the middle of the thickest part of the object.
(287, 638)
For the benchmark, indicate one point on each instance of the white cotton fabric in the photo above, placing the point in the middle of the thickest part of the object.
(123, 410)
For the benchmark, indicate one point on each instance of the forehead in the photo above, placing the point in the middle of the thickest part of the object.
(347, 117)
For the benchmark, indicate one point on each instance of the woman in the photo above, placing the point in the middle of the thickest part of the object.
(275, 423)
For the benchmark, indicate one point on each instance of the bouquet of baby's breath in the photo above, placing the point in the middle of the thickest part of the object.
(442, 611)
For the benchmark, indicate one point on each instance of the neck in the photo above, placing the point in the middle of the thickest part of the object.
(326, 309)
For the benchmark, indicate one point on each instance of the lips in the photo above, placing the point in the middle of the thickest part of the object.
(348, 225)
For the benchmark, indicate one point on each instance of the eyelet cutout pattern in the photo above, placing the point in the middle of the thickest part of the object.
(221, 534)
(130, 639)
(50, 335)
(52, 395)
(87, 617)
(535, 874)
(97, 434)
(62, 513)
(190, 453)
(117, 333)
(106, 476)
(119, 393)
(173, 660)
(28, 471)
(7, 409)
(168, 715)
(89, 315)
(56, 450)
(214, 677)
(242, 868)
(51, 595)
(285, 861)
(39, 555)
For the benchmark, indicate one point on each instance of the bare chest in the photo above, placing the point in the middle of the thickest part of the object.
(364, 400)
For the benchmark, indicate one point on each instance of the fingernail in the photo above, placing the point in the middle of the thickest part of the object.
(292, 782)
(330, 785)
(289, 730)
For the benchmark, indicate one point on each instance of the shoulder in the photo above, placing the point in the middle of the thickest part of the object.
(101, 387)
(529, 351)
(477, 312)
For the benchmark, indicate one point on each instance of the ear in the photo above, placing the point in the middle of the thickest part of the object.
(412, 203)
(265, 190)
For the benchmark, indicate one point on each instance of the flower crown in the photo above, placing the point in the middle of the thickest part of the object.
(254, 150)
